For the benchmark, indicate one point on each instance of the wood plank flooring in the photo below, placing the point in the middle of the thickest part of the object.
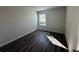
(35, 42)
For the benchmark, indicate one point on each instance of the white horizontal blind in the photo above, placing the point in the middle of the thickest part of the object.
(42, 19)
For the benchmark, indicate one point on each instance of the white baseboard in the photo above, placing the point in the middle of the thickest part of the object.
(16, 38)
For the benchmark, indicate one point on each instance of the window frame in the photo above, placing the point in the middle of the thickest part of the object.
(42, 23)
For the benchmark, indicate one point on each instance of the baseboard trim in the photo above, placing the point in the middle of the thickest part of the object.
(52, 31)
(16, 38)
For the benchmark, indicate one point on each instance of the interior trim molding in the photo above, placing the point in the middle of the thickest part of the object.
(16, 38)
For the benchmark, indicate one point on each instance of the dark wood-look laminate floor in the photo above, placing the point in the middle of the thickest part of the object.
(35, 42)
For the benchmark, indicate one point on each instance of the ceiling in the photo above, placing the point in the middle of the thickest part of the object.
(39, 8)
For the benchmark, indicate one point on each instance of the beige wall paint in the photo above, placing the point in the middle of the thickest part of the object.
(72, 22)
(16, 22)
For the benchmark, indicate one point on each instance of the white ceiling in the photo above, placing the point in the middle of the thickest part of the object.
(39, 8)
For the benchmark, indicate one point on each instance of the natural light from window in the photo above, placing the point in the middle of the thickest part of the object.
(42, 19)
(55, 41)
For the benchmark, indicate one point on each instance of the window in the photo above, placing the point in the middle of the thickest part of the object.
(42, 19)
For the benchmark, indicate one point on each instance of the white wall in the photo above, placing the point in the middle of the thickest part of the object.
(72, 22)
(55, 19)
(16, 22)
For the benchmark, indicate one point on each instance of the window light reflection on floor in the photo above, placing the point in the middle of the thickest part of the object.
(55, 41)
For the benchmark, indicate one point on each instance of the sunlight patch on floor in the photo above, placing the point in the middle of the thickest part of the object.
(55, 41)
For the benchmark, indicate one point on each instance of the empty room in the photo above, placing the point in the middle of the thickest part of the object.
(39, 29)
